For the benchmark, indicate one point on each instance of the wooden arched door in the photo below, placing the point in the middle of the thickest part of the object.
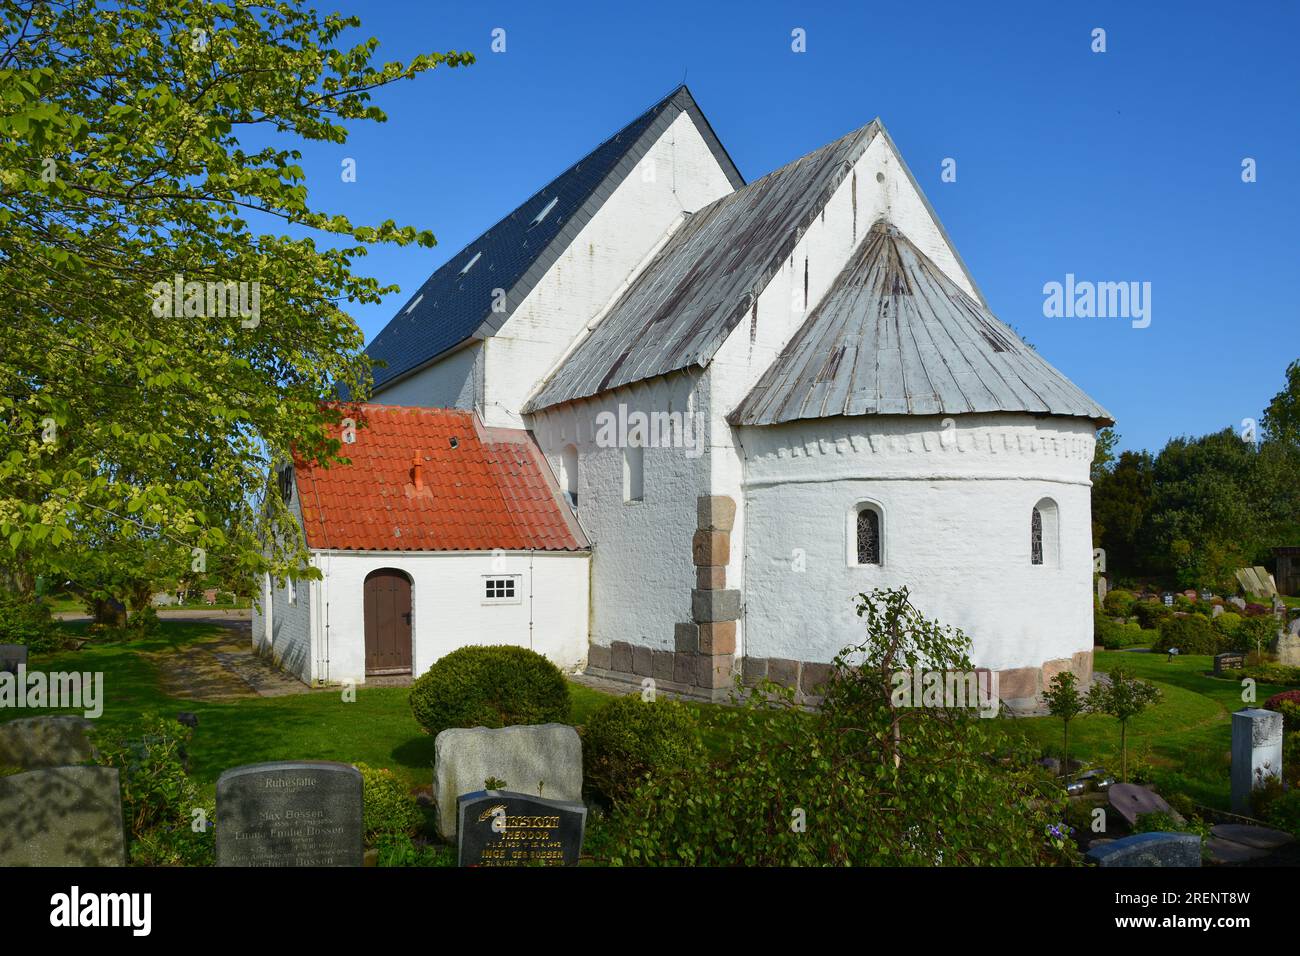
(388, 622)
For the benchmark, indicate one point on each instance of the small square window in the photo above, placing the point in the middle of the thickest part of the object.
(501, 590)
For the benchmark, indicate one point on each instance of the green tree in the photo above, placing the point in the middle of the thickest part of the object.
(147, 146)
(1122, 697)
(1282, 417)
(1064, 701)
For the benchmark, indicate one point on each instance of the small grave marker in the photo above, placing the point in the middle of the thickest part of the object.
(501, 828)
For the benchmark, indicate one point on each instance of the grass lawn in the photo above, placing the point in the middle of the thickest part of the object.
(376, 729)
(1181, 744)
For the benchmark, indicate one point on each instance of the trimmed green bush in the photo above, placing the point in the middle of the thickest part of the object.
(1228, 623)
(27, 621)
(1255, 632)
(628, 739)
(389, 808)
(490, 687)
(1119, 603)
(1150, 613)
(1191, 635)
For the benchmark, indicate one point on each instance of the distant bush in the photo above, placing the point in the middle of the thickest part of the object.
(27, 621)
(1257, 610)
(1287, 704)
(1191, 635)
(1255, 632)
(389, 807)
(1119, 603)
(1115, 637)
(490, 687)
(1228, 623)
(1150, 613)
(629, 739)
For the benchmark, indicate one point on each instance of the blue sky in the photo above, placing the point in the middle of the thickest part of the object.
(1117, 166)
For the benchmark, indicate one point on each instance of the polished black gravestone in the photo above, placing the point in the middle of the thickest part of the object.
(502, 828)
(305, 813)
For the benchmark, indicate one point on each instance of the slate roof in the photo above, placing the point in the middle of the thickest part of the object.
(453, 306)
(895, 336)
(492, 490)
(706, 279)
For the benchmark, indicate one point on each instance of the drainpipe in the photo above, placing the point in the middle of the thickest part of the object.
(530, 599)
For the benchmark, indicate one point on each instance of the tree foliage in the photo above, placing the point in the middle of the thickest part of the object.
(146, 148)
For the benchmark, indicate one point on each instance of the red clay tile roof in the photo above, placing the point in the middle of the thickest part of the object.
(492, 490)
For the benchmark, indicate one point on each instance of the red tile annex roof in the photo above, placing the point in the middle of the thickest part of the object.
(435, 479)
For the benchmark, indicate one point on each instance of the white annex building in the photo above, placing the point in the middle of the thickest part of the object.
(658, 422)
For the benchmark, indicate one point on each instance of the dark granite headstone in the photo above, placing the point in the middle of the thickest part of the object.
(1168, 600)
(1229, 661)
(501, 828)
(11, 655)
(62, 816)
(1149, 849)
(303, 813)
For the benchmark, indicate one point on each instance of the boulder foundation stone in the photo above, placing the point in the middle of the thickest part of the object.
(539, 760)
(1256, 753)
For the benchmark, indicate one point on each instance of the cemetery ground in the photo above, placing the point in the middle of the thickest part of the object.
(1181, 745)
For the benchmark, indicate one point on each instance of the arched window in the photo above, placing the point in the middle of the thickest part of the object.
(569, 474)
(1045, 534)
(866, 534)
(633, 473)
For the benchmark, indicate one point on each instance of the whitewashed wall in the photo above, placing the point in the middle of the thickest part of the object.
(678, 174)
(281, 628)
(956, 531)
(448, 610)
(642, 572)
(453, 382)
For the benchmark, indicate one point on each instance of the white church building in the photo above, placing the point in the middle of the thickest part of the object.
(659, 422)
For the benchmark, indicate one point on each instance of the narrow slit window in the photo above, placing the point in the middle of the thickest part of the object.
(868, 536)
(1036, 538)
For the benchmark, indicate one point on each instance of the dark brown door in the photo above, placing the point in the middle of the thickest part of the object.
(388, 623)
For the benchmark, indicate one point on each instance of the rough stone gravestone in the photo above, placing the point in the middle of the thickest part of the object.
(1229, 661)
(1266, 585)
(534, 759)
(1149, 849)
(33, 742)
(11, 655)
(1238, 602)
(1131, 801)
(62, 816)
(1218, 609)
(1256, 753)
(1288, 647)
(304, 813)
(500, 828)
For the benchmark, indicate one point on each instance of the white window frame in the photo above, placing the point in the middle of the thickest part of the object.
(851, 533)
(516, 579)
(1050, 512)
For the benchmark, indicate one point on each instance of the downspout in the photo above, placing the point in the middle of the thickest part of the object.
(530, 599)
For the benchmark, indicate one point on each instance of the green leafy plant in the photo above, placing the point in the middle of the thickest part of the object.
(1119, 603)
(167, 822)
(1063, 700)
(492, 686)
(1123, 698)
(388, 807)
(628, 739)
(865, 780)
(26, 619)
(1191, 635)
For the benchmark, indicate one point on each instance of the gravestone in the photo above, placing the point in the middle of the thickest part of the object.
(1238, 602)
(540, 760)
(1267, 587)
(304, 813)
(1256, 753)
(1218, 609)
(1131, 801)
(1149, 849)
(1288, 647)
(1229, 661)
(62, 816)
(1249, 583)
(11, 655)
(1207, 596)
(1168, 600)
(501, 828)
(34, 742)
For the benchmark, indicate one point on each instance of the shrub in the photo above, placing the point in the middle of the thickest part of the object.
(1157, 821)
(1191, 635)
(389, 807)
(1255, 632)
(1287, 704)
(1119, 603)
(629, 739)
(27, 620)
(398, 849)
(1150, 613)
(158, 796)
(1228, 623)
(839, 786)
(1114, 636)
(490, 687)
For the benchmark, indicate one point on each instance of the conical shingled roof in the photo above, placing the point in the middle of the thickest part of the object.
(895, 336)
(454, 305)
